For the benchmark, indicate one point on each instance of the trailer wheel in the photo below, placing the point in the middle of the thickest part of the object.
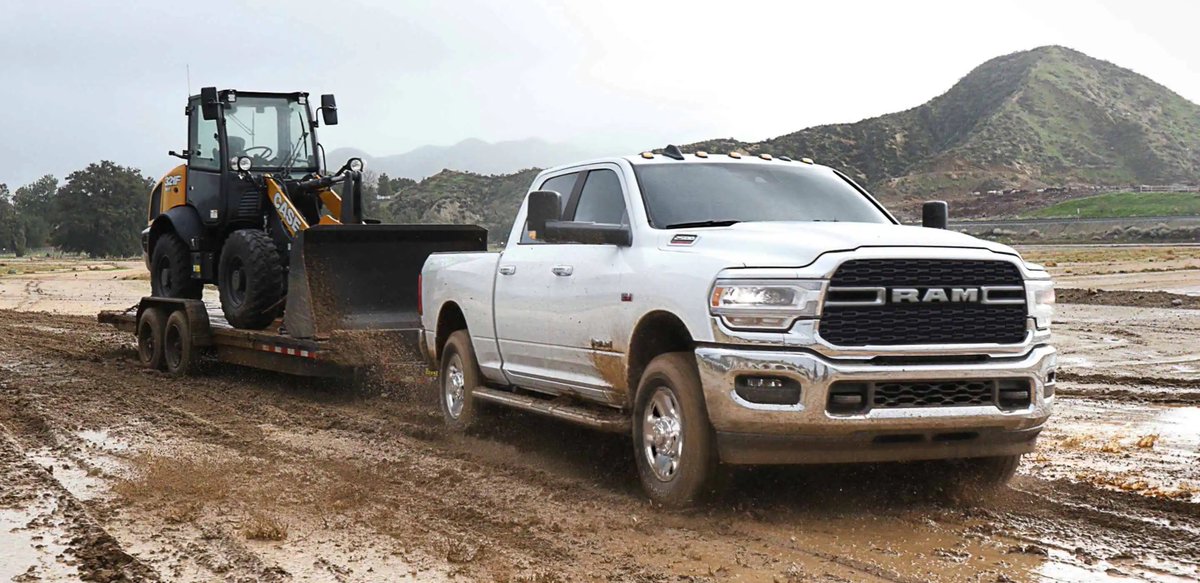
(673, 440)
(250, 279)
(150, 330)
(179, 354)
(458, 379)
(171, 269)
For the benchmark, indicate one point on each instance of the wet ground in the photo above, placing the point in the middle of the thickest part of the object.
(109, 472)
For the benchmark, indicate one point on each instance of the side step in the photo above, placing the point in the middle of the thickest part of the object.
(588, 417)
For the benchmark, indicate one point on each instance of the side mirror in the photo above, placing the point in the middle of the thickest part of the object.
(329, 110)
(935, 214)
(209, 102)
(544, 206)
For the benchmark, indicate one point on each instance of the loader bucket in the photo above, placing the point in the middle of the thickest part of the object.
(364, 277)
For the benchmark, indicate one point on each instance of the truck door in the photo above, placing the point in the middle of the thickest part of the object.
(579, 326)
(522, 295)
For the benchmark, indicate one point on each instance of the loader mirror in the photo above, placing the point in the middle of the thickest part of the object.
(935, 214)
(544, 206)
(329, 110)
(209, 103)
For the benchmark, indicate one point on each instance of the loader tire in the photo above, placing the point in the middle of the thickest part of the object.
(171, 269)
(250, 279)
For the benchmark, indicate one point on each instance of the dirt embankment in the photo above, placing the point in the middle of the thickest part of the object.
(1143, 299)
(237, 475)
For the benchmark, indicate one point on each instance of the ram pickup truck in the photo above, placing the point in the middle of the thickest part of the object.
(729, 309)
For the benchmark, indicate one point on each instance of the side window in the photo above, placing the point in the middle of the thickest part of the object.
(601, 200)
(563, 185)
(205, 147)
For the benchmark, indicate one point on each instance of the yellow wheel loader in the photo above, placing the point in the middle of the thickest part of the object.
(255, 211)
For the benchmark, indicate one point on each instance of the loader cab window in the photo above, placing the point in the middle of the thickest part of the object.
(564, 185)
(204, 144)
(275, 132)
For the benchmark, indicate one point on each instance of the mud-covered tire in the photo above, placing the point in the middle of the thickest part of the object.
(150, 328)
(965, 480)
(673, 440)
(458, 376)
(171, 269)
(180, 357)
(250, 279)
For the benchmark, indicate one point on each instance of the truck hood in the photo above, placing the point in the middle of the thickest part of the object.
(796, 244)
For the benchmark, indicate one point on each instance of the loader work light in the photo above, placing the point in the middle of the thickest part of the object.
(244, 163)
(355, 164)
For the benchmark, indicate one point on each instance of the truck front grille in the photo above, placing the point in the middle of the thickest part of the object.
(851, 397)
(973, 302)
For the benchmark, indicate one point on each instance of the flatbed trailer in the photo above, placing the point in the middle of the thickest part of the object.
(176, 335)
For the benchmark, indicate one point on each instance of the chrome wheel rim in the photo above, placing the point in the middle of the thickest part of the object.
(454, 387)
(662, 434)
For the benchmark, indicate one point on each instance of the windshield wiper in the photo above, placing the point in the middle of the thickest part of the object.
(711, 223)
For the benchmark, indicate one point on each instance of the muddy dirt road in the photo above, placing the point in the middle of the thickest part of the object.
(109, 472)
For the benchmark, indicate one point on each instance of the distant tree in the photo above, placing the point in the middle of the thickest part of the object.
(385, 186)
(99, 211)
(34, 203)
(12, 235)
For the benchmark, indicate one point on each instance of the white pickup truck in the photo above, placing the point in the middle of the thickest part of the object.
(728, 309)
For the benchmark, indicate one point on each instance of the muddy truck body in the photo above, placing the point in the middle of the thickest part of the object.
(727, 310)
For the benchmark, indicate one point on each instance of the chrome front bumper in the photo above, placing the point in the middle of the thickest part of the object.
(806, 433)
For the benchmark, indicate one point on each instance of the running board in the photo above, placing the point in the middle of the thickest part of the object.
(588, 417)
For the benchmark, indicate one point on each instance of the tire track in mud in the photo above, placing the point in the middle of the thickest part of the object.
(527, 498)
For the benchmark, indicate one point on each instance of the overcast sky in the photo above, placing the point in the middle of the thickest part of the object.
(85, 80)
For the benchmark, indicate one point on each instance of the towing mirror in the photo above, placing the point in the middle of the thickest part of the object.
(935, 214)
(209, 102)
(329, 110)
(588, 233)
(544, 206)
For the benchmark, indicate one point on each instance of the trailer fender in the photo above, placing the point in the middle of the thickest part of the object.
(194, 310)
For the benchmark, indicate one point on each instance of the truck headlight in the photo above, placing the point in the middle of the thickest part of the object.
(765, 305)
(1041, 298)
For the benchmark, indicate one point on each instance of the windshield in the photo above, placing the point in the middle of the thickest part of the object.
(273, 131)
(698, 194)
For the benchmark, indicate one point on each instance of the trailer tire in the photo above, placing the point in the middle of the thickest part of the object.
(674, 442)
(459, 375)
(250, 279)
(171, 269)
(150, 328)
(179, 352)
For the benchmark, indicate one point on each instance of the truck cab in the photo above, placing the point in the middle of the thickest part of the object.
(727, 309)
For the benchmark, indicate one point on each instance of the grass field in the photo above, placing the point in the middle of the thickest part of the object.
(1124, 204)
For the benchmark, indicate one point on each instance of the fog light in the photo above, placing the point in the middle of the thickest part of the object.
(768, 390)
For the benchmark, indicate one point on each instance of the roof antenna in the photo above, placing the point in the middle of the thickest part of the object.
(672, 151)
(188, 68)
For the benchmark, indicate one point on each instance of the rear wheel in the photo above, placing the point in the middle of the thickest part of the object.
(672, 437)
(458, 379)
(179, 354)
(250, 279)
(150, 338)
(171, 269)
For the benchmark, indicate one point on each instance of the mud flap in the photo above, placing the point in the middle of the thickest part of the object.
(364, 277)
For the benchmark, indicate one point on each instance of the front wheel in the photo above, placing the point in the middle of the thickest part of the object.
(250, 279)
(673, 440)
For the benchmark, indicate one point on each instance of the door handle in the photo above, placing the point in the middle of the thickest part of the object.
(508, 269)
(562, 270)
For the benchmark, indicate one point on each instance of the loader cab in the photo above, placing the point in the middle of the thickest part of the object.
(275, 132)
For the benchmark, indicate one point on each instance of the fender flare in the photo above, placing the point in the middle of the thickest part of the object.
(184, 220)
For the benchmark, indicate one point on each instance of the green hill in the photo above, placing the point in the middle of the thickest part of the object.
(1050, 116)
(1124, 204)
